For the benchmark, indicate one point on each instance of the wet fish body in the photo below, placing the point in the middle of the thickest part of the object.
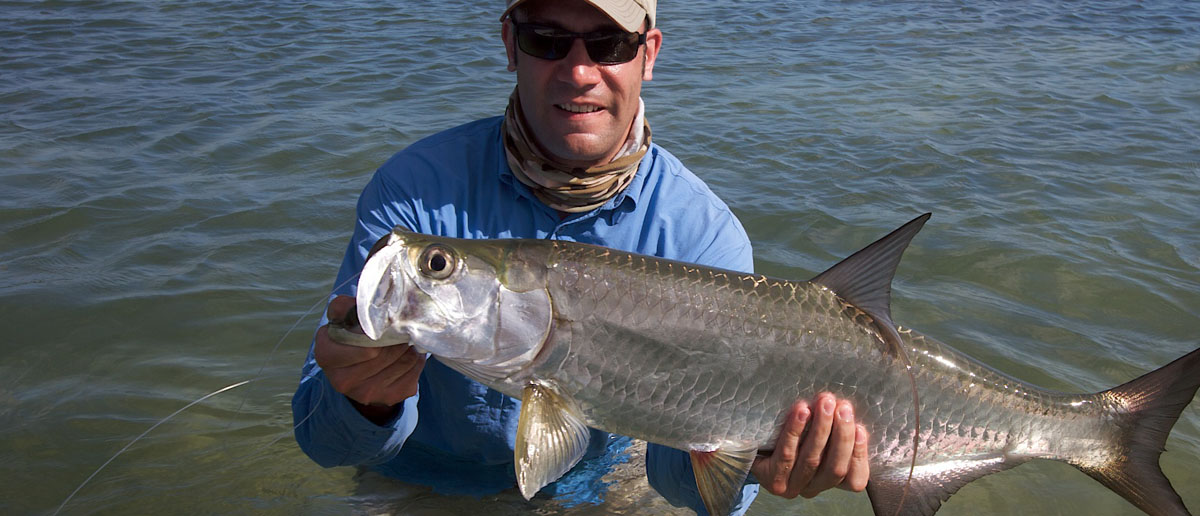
(709, 361)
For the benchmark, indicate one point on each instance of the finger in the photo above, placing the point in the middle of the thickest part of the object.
(349, 369)
(340, 308)
(835, 463)
(813, 445)
(774, 471)
(398, 381)
(331, 354)
(368, 382)
(860, 467)
(373, 370)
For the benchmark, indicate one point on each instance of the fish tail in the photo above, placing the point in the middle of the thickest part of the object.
(1151, 404)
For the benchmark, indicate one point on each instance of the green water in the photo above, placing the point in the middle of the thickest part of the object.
(177, 184)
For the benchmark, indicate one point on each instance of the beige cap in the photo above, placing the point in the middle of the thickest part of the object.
(627, 13)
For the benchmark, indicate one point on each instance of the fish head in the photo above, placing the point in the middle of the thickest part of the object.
(468, 302)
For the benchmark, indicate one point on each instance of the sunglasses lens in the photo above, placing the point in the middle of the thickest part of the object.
(612, 48)
(543, 43)
(553, 44)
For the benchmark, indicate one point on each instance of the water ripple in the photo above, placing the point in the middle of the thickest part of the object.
(177, 183)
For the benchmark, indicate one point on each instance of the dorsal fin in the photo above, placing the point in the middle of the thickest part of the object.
(865, 278)
(865, 281)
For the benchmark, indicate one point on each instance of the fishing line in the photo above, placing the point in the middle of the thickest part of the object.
(286, 334)
(271, 356)
(258, 376)
(260, 449)
(309, 376)
(143, 434)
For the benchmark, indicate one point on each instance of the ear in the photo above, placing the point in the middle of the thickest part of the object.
(510, 48)
(654, 39)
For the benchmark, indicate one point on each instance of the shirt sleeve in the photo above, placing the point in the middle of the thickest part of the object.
(327, 427)
(670, 470)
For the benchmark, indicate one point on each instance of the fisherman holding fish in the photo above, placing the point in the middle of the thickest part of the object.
(571, 159)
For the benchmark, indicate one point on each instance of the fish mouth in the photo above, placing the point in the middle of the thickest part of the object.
(382, 284)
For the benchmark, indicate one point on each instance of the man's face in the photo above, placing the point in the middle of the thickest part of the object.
(579, 111)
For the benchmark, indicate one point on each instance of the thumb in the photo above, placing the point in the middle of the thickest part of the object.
(342, 311)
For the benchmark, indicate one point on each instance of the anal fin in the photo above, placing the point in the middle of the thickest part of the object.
(720, 475)
(551, 438)
(894, 492)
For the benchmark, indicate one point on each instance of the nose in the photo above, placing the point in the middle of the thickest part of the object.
(577, 68)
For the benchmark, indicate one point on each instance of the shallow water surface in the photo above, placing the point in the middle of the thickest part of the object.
(177, 185)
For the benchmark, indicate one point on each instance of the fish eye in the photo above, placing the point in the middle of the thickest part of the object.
(438, 262)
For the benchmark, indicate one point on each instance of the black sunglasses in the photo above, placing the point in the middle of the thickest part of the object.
(611, 46)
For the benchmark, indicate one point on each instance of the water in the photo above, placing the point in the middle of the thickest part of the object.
(177, 184)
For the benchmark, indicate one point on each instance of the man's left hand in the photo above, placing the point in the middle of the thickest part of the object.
(819, 447)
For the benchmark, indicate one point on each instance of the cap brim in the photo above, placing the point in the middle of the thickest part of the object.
(627, 14)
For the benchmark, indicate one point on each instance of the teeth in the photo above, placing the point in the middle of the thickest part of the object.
(575, 108)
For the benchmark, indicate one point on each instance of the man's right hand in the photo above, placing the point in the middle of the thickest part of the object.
(376, 380)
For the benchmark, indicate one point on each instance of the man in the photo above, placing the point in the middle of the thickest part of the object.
(572, 159)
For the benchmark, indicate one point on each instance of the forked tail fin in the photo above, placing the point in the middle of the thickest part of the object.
(1152, 404)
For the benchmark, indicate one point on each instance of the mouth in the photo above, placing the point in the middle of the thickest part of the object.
(378, 291)
(579, 109)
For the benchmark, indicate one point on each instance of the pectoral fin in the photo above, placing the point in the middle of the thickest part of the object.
(551, 438)
(720, 475)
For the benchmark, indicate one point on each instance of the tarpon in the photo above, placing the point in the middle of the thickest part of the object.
(709, 361)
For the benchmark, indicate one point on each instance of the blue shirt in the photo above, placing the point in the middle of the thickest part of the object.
(457, 183)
